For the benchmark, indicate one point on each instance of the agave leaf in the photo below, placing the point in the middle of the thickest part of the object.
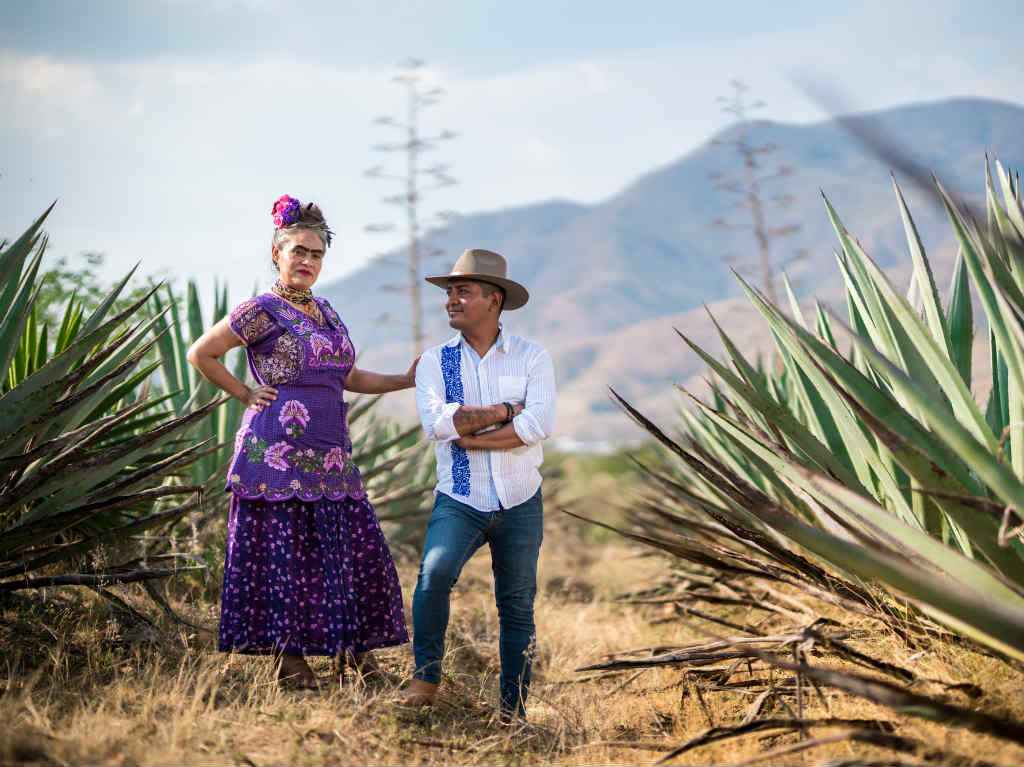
(934, 356)
(875, 526)
(794, 305)
(987, 610)
(141, 422)
(782, 418)
(982, 530)
(799, 343)
(13, 325)
(765, 476)
(124, 345)
(42, 345)
(38, 532)
(824, 326)
(866, 293)
(95, 320)
(99, 467)
(148, 474)
(994, 617)
(917, 352)
(991, 471)
(55, 415)
(19, 462)
(361, 406)
(171, 371)
(121, 390)
(56, 463)
(51, 380)
(74, 549)
(12, 259)
(1013, 206)
(960, 320)
(69, 325)
(179, 349)
(998, 321)
(753, 378)
(925, 278)
(375, 451)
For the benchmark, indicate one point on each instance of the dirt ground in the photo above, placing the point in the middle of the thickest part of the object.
(94, 688)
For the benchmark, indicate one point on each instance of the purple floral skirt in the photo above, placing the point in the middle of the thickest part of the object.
(308, 578)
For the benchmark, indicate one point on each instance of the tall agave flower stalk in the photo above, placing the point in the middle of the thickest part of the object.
(844, 473)
(87, 456)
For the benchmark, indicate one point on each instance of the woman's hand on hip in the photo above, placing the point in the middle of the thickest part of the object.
(260, 397)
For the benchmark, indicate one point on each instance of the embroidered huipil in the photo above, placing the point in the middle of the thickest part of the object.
(513, 370)
(298, 447)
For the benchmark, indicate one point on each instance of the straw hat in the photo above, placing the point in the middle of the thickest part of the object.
(484, 266)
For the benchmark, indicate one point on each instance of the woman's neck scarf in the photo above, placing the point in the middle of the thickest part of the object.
(302, 297)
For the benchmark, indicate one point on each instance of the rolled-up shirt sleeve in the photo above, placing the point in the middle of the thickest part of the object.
(537, 420)
(435, 413)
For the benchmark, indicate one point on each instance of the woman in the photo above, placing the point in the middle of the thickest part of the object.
(308, 571)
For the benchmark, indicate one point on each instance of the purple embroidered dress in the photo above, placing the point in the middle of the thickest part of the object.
(308, 571)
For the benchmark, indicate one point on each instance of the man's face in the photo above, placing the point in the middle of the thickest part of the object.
(470, 304)
(300, 258)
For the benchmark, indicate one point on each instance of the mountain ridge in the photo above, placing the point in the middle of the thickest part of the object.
(648, 252)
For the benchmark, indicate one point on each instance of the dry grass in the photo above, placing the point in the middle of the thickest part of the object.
(94, 689)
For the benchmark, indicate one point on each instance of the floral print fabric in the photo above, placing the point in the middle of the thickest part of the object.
(298, 447)
(308, 579)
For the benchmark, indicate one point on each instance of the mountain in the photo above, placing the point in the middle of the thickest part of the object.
(607, 281)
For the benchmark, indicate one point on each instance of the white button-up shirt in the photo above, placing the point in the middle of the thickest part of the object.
(513, 370)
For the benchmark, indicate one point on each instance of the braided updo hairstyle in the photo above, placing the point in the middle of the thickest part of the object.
(310, 217)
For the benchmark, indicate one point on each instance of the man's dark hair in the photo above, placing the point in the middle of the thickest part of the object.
(490, 287)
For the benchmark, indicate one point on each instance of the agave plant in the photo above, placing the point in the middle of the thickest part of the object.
(871, 480)
(844, 473)
(86, 454)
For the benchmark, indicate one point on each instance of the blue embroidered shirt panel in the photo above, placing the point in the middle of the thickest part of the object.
(451, 370)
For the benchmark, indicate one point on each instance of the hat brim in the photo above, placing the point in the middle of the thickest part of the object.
(516, 295)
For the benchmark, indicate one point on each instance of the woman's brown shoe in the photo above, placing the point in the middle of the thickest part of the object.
(419, 693)
(295, 674)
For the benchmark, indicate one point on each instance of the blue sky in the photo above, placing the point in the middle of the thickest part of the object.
(167, 128)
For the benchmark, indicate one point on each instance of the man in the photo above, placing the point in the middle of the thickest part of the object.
(487, 398)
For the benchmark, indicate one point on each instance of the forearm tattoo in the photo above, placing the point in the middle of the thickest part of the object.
(468, 420)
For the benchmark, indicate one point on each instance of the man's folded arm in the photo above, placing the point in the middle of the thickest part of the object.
(444, 421)
(537, 420)
(435, 413)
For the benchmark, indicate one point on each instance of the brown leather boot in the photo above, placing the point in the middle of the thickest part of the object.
(419, 693)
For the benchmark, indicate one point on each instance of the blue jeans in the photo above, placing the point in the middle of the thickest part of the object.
(454, 533)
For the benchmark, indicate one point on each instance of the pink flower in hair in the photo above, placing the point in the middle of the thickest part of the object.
(285, 211)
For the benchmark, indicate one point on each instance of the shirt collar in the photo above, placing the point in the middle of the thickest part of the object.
(501, 342)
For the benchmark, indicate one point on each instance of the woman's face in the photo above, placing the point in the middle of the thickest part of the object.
(299, 259)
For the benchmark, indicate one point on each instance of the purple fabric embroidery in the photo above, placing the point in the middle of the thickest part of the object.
(299, 446)
(308, 578)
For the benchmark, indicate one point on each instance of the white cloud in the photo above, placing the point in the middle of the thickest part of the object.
(198, 147)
